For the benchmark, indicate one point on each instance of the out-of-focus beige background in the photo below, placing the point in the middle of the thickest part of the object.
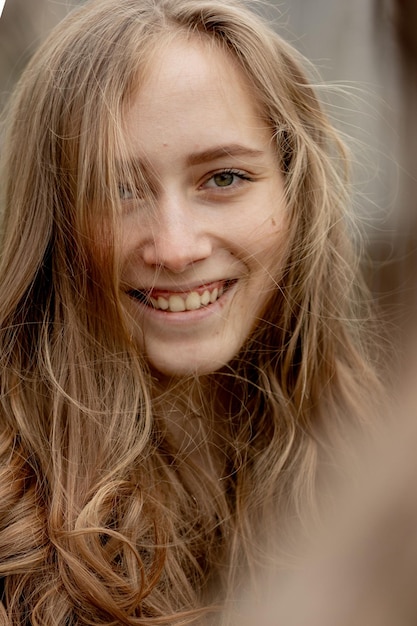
(366, 45)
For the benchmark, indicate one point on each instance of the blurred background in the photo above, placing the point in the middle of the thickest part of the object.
(367, 51)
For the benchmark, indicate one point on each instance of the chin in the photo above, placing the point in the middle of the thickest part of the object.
(187, 369)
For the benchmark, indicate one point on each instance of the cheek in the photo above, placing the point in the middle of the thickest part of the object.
(270, 248)
(112, 254)
(127, 246)
(101, 255)
(262, 227)
(134, 231)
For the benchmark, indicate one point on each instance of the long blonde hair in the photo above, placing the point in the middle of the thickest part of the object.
(103, 517)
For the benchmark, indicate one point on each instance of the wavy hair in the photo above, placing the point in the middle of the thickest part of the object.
(105, 517)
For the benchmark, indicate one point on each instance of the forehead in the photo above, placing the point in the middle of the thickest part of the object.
(192, 91)
(182, 60)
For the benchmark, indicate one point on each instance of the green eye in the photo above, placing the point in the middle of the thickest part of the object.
(224, 179)
(125, 192)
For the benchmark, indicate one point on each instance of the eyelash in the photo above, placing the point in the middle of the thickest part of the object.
(237, 173)
(125, 193)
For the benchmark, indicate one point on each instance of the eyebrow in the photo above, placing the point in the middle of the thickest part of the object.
(204, 156)
(233, 150)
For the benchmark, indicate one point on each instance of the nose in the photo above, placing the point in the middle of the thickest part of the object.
(177, 236)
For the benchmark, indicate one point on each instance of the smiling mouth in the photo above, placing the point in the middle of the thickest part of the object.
(177, 302)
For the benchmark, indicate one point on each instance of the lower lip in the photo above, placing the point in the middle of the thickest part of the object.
(186, 317)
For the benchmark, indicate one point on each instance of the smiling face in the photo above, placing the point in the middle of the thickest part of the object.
(201, 243)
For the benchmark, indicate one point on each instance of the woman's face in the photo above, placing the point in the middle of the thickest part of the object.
(202, 243)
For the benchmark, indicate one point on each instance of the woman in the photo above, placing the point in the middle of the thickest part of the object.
(180, 345)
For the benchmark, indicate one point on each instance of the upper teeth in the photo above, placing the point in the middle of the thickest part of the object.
(187, 302)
